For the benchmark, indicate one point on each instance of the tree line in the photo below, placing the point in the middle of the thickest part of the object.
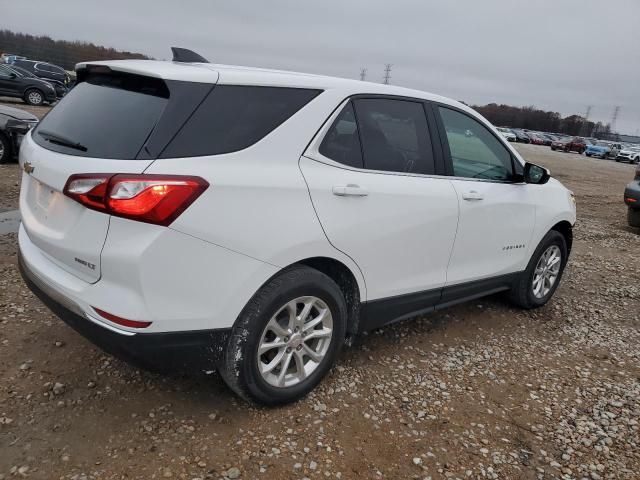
(59, 52)
(532, 118)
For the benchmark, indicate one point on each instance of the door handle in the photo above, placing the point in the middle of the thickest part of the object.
(472, 196)
(350, 190)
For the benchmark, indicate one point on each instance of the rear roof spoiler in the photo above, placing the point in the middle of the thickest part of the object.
(184, 55)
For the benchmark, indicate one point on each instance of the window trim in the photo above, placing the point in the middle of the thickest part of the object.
(313, 148)
(518, 178)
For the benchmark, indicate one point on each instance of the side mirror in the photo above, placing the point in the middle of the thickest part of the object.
(536, 174)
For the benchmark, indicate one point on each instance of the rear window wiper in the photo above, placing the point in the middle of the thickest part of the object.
(60, 140)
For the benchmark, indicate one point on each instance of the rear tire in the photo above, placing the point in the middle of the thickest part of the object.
(633, 217)
(6, 150)
(258, 377)
(523, 293)
(34, 97)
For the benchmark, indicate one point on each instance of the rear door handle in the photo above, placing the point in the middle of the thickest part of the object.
(350, 190)
(472, 196)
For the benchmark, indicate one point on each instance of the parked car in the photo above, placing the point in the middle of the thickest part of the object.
(534, 138)
(547, 138)
(506, 133)
(61, 90)
(629, 154)
(255, 225)
(560, 143)
(632, 200)
(521, 137)
(576, 144)
(47, 71)
(33, 91)
(598, 149)
(14, 125)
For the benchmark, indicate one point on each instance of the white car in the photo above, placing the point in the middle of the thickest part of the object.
(629, 154)
(508, 134)
(200, 216)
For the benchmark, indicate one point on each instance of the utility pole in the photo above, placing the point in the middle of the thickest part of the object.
(583, 129)
(363, 73)
(387, 74)
(614, 117)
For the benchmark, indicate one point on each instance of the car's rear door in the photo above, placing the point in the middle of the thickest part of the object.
(497, 210)
(374, 186)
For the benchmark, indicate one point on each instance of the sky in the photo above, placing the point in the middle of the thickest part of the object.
(560, 55)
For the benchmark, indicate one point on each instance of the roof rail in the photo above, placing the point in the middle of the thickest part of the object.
(187, 56)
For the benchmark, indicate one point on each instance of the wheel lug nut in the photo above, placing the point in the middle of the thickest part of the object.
(299, 347)
(286, 339)
(288, 349)
(296, 329)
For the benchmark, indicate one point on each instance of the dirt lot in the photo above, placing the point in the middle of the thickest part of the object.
(482, 390)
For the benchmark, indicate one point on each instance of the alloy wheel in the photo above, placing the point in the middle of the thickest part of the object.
(295, 341)
(35, 98)
(547, 270)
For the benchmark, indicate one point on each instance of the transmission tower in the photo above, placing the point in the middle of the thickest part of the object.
(387, 74)
(614, 117)
(363, 73)
(585, 124)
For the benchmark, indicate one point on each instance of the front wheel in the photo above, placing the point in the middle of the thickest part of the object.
(286, 338)
(34, 97)
(539, 281)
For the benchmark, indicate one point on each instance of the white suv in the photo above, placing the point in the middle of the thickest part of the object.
(201, 217)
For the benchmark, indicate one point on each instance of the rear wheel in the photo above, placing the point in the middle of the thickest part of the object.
(633, 217)
(539, 281)
(287, 337)
(33, 96)
(6, 152)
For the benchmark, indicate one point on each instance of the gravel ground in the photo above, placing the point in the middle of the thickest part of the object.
(482, 390)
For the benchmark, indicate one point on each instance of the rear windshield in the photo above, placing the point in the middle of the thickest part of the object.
(121, 116)
(104, 117)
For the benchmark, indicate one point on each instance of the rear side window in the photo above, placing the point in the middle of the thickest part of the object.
(342, 143)
(394, 135)
(234, 117)
(104, 117)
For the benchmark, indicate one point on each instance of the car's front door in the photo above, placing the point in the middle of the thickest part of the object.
(497, 210)
(7, 82)
(373, 186)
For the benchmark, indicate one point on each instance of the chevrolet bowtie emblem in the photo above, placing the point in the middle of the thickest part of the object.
(28, 168)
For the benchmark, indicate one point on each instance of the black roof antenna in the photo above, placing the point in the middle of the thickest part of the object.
(187, 56)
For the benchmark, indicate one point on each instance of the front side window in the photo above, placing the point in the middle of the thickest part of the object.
(475, 151)
(394, 135)
(342, 143)
(4, 72)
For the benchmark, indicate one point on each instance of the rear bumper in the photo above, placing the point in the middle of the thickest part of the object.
(191, 351)
(632, 195)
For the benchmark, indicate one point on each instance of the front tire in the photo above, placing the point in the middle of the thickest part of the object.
(6, 152)
(34, 97)
(286, 338)
(539, 281)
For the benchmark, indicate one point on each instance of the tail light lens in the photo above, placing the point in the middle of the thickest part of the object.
(125, 322)
(157, 199)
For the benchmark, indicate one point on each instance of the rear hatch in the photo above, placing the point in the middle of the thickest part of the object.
(106, 124)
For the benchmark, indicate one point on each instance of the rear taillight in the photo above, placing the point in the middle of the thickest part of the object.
(125, 322)
(157, 199)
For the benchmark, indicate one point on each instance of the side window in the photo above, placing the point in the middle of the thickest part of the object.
(395, 135)
(4, 72)
(342, 143)
(475, 151)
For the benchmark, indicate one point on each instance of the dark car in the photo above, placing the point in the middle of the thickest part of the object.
(576, 144)
(535, 138)
(46, 71)
(560, 143)
(521, 137)
(61, 90)
(632, 199)
(33, 91)
(14, 124)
